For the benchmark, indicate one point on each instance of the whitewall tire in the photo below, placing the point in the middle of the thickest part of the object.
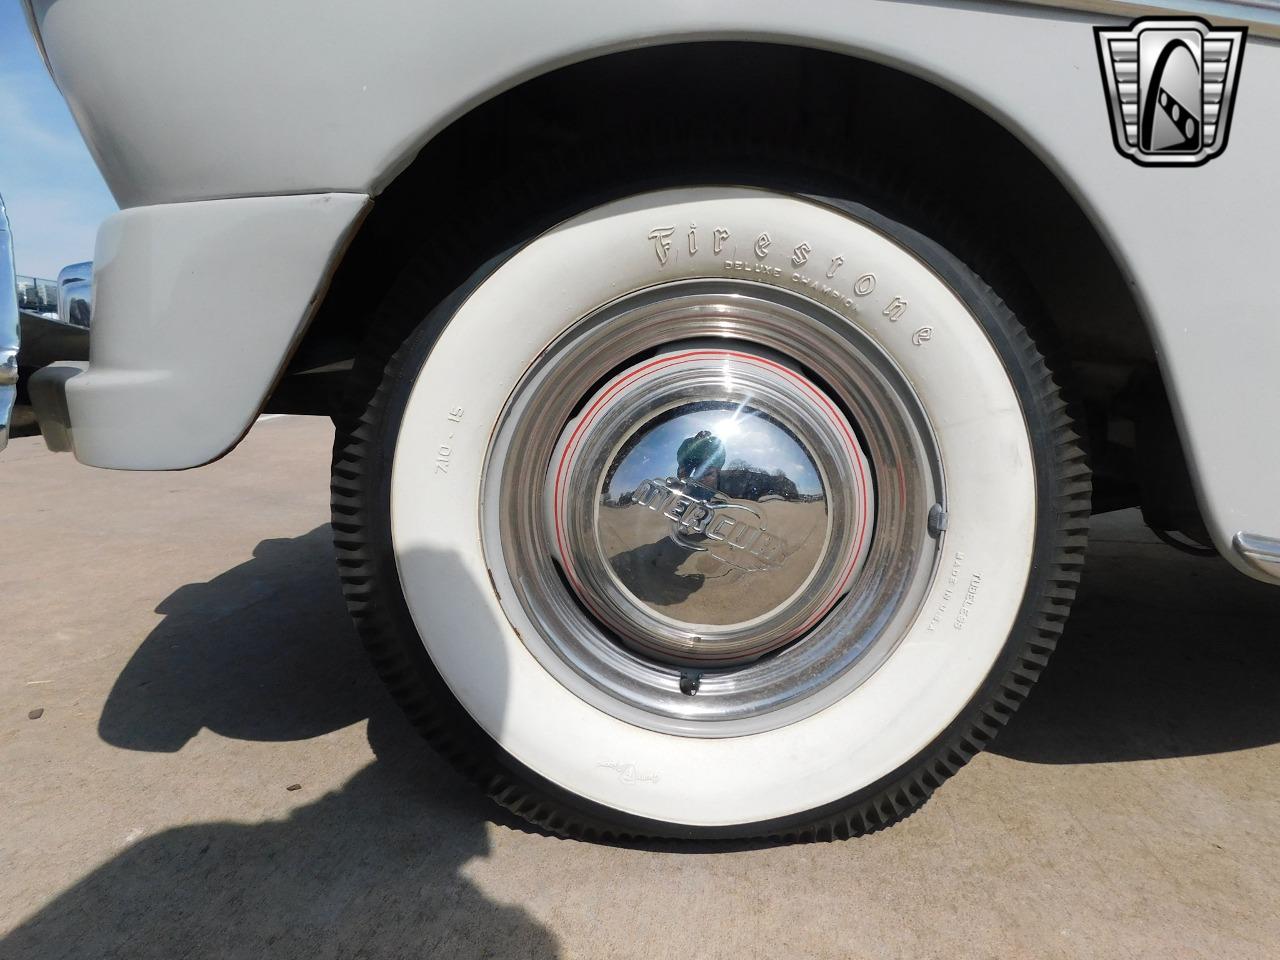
(821, 685)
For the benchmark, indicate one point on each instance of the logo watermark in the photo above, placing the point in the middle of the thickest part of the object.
(1170, 84)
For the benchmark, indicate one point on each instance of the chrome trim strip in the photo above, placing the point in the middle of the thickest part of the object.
(1262, 17)
(8, 327)
(1261, 553)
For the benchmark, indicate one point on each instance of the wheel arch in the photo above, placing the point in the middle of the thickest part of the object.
(978, 162)
(478, 183)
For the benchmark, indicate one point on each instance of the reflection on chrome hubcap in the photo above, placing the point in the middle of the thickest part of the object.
(728, 529)
(730, 504)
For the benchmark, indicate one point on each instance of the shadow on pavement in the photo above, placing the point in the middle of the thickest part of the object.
(1165, 655)
(265, 652)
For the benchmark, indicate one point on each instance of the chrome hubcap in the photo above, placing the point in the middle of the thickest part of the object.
(712, 500)
(710, 504)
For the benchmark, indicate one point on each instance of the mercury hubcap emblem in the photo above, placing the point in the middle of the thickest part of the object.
(699, 513)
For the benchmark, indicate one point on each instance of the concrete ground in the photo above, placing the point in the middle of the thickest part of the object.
(184, 636)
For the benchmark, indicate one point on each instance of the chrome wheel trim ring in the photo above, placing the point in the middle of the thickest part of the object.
(872, 612)
(749, 588)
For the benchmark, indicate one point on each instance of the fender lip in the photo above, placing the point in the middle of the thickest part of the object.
(1262, 554)
(197, 308)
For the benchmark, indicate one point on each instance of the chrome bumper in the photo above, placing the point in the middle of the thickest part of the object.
(1261, 553)
(8, 328)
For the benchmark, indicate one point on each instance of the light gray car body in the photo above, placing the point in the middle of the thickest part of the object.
(245, 140)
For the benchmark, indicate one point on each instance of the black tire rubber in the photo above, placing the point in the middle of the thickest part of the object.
(363, 448)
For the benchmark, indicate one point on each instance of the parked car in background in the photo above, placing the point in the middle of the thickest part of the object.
(722, 390)
(53, 325)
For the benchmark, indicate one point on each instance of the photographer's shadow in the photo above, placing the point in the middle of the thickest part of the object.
(265, 652)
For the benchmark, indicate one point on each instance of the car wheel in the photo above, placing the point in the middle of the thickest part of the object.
(713, 512)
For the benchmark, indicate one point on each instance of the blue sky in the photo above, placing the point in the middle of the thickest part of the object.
(53, 191)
